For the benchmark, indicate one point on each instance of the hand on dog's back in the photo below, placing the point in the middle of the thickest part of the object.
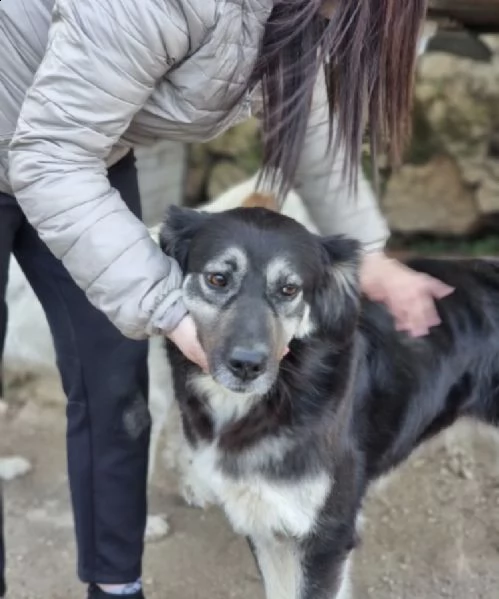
(409, 295)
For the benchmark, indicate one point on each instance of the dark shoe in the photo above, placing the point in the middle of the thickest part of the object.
(94, 592)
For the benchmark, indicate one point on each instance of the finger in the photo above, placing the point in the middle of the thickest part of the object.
(413, 328)
(415, 320)
(197, 356)
(423, 317)
(199, 361)
(402, 320)
(429, 312)
(417, 329)
(438, 289)
(202, 362)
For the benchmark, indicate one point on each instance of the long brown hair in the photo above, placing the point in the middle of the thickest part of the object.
(367, 49)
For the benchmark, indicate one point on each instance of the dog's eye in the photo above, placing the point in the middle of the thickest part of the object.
(289, 290)
(216, 279)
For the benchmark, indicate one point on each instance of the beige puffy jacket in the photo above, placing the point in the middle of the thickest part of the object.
(111, 74)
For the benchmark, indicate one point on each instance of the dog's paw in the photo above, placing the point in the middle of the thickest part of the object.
(157, 528)
(14, 467)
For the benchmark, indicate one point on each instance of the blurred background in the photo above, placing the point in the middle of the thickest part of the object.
(445, 197)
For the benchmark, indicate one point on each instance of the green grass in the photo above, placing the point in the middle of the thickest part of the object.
(487, 245)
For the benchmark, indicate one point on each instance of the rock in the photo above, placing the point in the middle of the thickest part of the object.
(157, 528)
(431, 197)
(460, 43)
(236, 141)
(487, 195)
(199, 166)
(459, 97)
(32, 414)
(460, 464)
(221, 162)
(449, 183)
(14, 467)
(195, 186)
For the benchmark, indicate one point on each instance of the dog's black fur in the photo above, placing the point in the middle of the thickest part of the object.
(358, 395)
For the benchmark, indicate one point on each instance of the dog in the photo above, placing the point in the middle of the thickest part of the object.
(312, 394)
(29, 351)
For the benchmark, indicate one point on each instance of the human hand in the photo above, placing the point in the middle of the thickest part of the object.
(185, 338)
(409, 295)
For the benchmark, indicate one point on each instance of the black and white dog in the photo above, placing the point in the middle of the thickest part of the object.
(288, 446)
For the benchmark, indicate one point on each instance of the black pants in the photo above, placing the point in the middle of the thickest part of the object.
(104, 376)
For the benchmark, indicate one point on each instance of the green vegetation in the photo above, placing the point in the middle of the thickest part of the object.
(487, 245)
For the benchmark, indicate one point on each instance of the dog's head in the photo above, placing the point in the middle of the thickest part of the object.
(254, 281)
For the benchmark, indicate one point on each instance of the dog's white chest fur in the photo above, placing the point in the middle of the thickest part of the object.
(225, 405)
(258, 506)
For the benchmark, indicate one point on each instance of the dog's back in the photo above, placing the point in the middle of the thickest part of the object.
(414, 387)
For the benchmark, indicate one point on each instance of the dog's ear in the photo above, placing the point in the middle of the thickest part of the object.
(179, 227)
(336, 298)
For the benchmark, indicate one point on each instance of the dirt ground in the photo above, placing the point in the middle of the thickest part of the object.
(431, 532)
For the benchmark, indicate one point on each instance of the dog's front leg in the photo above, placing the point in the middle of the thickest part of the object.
(327, 557)
(338, 584)
(293, 570)
(280, 561)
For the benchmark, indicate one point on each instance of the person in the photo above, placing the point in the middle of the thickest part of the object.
(82, 84)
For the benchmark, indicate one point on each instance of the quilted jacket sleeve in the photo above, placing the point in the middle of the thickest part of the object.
(102, 61)
(320, 183)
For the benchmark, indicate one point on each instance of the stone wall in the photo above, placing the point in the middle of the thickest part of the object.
(448, 184)
(215, 166)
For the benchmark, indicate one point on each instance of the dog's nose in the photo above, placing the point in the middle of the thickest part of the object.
(247, 364)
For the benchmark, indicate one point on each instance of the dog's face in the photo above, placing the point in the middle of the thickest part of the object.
(254, 281)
